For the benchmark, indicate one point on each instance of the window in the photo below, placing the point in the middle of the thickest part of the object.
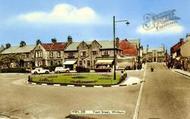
(50, 54)
(71, 55)
(38, 53)
(106, 53)
(94, 52)
(58, 53)
(88, 62)
(80, 63)
(83, 54)
(27, 55)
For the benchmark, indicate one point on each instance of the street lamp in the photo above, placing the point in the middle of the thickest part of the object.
(114, 22)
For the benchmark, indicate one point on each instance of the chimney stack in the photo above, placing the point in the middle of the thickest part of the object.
(54, 40)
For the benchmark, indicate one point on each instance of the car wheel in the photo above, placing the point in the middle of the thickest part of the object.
(35, 72)
(46, 72)
(67, 71)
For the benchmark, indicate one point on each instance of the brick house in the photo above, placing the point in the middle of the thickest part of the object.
(49, 54)
(129, 54)
(175, 50)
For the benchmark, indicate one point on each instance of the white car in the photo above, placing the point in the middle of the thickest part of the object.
(40, 71)
(61, 70)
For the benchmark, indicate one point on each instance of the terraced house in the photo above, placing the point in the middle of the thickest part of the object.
(90, 54)
(18, 56)
(49, 54)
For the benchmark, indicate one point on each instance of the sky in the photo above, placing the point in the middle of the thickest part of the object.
(91, 19)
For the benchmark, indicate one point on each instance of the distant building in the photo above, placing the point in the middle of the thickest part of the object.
(154, 54)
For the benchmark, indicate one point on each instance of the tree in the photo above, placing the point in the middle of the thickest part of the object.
(6, 60)
(22, 43)
(38, 42)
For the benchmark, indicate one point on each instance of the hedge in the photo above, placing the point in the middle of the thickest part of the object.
(14, 70)
(103, 70)
(82, 69)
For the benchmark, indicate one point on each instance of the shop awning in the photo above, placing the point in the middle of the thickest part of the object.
(178, 58)
(69, 62)
(104, 62)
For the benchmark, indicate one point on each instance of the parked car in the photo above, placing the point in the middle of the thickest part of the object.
(40, 71)
(61, 70)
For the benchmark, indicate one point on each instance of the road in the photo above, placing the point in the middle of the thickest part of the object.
(166, 94)
(20, 100)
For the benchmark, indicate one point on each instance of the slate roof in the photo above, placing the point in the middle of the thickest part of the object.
(18, 49)
(59, 46)
(106, 44)
(73, 46)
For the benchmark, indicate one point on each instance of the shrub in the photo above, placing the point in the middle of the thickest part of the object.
(14, 70)
(82, 69)
(102, 70)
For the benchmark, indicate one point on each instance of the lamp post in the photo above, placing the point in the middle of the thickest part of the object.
(114, 22)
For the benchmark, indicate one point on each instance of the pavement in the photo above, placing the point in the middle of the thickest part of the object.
(186, 73)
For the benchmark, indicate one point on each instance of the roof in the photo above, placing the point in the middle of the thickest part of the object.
(128, 48)
(135, 41)
(73, 46)
(160, 49)
(177, 46)
(54, 46)
(106, 44)
(18, 49)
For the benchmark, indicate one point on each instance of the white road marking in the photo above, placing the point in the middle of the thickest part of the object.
(56, 84)
(114, 86)
(44, 84)
(70, 85)
(98, 86)
(136, 113)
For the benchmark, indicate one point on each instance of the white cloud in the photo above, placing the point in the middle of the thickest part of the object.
(170, 29)
(62, 13)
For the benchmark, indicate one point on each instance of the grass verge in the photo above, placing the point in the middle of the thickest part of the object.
(77, 78)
